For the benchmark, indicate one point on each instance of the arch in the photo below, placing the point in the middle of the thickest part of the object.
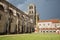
(17, 14)
(1, 7)
(10, 12)
(10, 21)
(31, 7)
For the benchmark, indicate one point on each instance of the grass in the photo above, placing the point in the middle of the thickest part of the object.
(33, 36)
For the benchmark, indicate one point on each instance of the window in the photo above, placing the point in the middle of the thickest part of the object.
(57, 24)
(44, 24)
(10, 12)
(0, 16)
(48, 24)
(31, 7)
(43, 31)
(17, 14)
(32, 11)
(54, 31)
(29, 11)
(46, 31)
(1, 8)
(50, 31)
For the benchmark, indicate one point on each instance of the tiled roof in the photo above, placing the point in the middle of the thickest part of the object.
(53, 20)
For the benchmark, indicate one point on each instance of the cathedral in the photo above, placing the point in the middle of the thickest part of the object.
(15, 21)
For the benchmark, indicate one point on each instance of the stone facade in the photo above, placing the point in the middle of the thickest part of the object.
(13, 20)
(33, 15)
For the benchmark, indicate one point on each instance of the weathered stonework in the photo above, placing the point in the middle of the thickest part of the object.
(13, 20)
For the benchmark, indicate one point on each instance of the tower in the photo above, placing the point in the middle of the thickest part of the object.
(32, 13)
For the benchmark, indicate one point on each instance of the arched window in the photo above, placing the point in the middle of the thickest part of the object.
(17, 14)
(31, 7)
(1, 8)
(10, 12)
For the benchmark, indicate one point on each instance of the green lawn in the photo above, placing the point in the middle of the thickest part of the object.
(33, 36)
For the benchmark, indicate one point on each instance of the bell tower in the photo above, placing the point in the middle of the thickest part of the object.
(32, 13)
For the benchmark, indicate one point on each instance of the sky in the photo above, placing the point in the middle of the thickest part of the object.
(47, 9)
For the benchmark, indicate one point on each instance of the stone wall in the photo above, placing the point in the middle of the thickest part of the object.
(13, 20)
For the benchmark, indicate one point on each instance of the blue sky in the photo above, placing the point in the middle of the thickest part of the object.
(47, 9)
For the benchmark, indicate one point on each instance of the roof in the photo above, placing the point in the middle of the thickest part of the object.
(53, 21)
